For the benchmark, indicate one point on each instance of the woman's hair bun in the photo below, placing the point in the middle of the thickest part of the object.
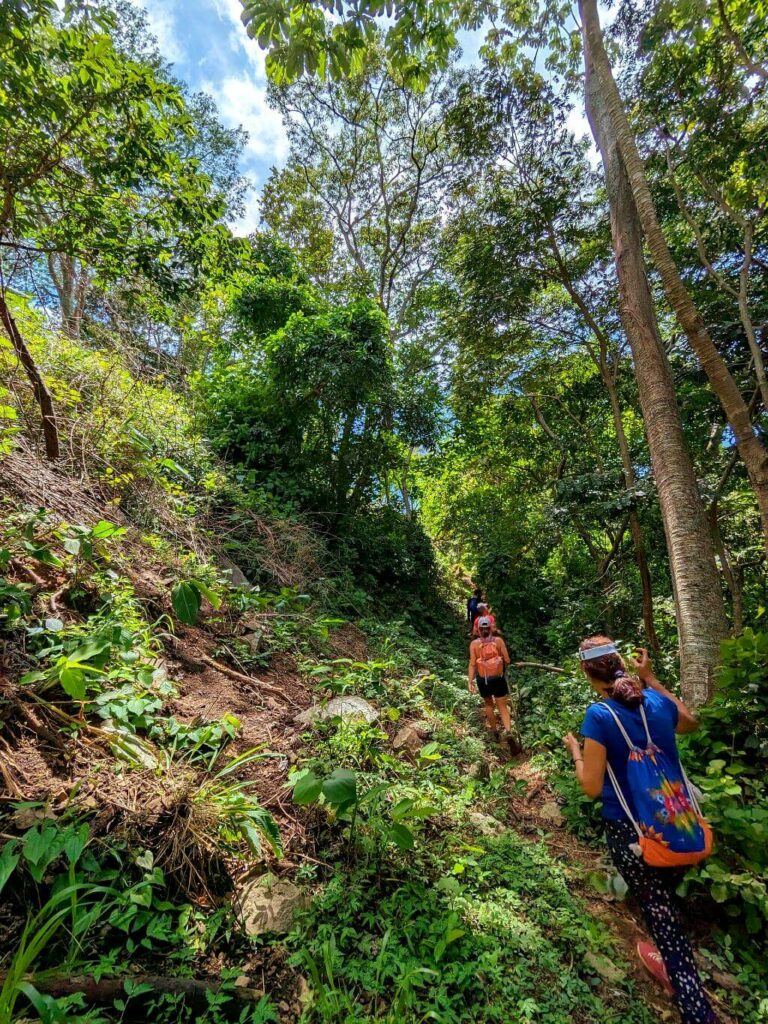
(624, 690)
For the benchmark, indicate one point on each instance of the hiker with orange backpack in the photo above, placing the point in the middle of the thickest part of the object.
(653, 825)
(488, 661)
(483, 612)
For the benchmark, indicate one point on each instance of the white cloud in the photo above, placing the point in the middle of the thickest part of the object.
(162, 24)
(231, 11)
(578, 124)
(242, 100)
(251, 216)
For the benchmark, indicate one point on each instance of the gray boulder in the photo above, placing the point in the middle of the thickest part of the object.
(348, 708)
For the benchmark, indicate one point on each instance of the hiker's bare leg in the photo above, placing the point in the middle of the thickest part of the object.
(490, 712)
(501, 703)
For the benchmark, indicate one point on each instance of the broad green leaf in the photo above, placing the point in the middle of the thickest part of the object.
(186, 603)
(9, 858)
(402, 836)
(307, 789)
(340, 788)
(401, 808)
(103, 530)
(72, 682)
(97, 653)
(213, 598)
(43, 554)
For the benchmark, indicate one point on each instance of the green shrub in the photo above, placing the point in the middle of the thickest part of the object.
(728, 760)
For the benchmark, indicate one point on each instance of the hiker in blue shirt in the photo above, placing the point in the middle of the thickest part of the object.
(473, 604)
(637, 702)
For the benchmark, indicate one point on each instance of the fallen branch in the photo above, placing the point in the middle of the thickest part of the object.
(32, 722)
(203, 659)
(30, 574)
(106, 989)
(544, 668)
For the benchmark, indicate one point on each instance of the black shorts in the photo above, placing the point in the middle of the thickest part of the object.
(494, 686)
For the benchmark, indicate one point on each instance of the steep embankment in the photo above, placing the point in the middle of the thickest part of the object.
(208, 838)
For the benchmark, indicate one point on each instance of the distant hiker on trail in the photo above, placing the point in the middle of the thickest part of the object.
(653, 825)
(473, 603)
(488, 661)
(483, 612)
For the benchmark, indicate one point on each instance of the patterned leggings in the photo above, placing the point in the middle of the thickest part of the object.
(654, 890)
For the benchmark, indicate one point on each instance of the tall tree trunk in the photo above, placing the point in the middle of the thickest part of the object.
(699, 606)
(731, 576)
(636, 530)
(751, 450)
(42, 394)
(70, 280)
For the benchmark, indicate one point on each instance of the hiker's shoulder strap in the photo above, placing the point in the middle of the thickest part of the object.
(618, 722)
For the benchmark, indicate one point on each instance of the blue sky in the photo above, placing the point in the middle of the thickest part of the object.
(209, 48)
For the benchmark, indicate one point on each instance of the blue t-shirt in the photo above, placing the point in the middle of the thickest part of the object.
(599, 725)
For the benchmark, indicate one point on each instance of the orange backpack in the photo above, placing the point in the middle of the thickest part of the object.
(490, 664)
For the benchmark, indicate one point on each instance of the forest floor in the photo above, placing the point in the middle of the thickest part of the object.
(46, 773)
(206, 692)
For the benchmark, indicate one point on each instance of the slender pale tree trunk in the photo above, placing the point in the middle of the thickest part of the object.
(71, 280)
(43, 396)
(635, 528)
(753, 453)
(699, 606)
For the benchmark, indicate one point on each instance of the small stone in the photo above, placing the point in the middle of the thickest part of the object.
(243, 981)
(268, 903)
(423, 728)
(408, 739)
(607, 970)
(485, 824)
(254, 640)
(550, 811)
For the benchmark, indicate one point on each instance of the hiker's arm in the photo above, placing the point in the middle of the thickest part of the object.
(589, 764)
(503, 650)
(686, 720)
(472, 670)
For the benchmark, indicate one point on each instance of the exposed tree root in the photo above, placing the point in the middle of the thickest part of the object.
(106, 989)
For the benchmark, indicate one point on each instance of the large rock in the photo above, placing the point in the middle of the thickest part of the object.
(268, 903)
(408, 739)
(347, 708)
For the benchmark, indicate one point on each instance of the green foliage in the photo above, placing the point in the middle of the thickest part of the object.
(186, 598)
(122, 120)
(304, 407)
(415, 946)
(728, 757)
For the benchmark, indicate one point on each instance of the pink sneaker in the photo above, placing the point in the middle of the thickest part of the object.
(651, 960)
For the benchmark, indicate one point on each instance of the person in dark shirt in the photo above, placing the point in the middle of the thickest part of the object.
(473, 603)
